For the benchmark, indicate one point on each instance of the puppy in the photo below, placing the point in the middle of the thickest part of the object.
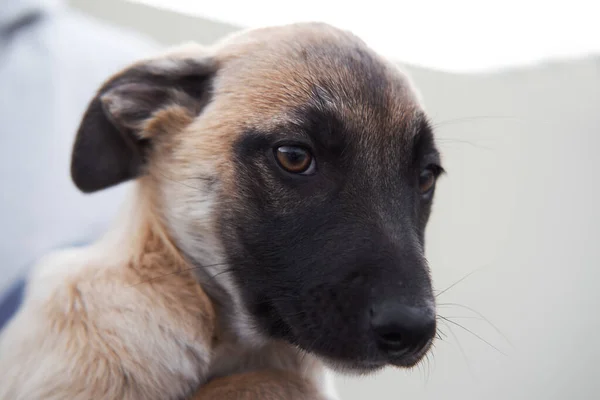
(283, 182)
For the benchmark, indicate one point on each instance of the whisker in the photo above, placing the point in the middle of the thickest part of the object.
(442, 140)
(474, 334)
(439, 333)
(439, 125)
(176, 181)
(427, 369)
(483, 317)
(474, 119)
(227, 270)
(177, 272)
(461, 280)
(461, 349)
(196, 178)
(420, 366)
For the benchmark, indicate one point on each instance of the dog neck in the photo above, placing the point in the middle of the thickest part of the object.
(137, 228)
(141, 232)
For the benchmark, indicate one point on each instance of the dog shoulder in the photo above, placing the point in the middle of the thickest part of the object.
(90, 329)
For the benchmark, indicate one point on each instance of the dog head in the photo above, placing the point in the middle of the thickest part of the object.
(295, 169)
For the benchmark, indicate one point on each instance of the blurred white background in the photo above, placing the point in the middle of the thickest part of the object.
(458, 35)
(513, 88)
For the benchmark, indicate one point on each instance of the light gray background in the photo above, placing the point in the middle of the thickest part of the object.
(519, 207)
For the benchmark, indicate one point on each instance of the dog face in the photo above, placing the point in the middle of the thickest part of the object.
(296, 169)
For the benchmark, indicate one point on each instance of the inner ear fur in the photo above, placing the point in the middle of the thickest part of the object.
(116, 130)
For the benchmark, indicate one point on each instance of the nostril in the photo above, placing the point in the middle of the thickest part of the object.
(392, 341)
(392, 337)
(400, 328)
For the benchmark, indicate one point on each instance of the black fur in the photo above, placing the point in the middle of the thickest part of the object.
(333, 261)
(108, 149)
(313, 254)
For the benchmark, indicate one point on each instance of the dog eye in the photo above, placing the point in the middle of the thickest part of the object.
(294, 159)
(426, 180)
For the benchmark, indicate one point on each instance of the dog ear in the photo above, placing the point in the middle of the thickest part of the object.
(116, 131)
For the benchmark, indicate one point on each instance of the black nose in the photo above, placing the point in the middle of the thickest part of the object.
(401, 329)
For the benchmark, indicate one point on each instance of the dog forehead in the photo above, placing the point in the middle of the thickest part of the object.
(272, 75)
(270, 78)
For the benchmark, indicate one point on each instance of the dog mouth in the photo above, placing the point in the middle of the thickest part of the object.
(366, 367)
(360, 355)
(411, 360)
(406, 360)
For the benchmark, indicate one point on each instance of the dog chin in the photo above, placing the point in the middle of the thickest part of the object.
(353, 368)
(365, 368)
(368, 367)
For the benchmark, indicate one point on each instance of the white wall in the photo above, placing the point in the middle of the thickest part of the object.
(519, 205)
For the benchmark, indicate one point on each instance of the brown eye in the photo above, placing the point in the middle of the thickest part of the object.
(426, 181)
(294, 159)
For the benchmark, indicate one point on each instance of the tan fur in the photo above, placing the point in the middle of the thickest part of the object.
(134, 324)
(262, 385)
(107, 326)
(126, 317)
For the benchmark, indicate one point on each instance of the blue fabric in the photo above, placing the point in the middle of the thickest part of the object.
(52, 61)
(11, 299)
(10, 302)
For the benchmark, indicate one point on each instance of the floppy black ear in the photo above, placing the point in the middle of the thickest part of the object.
(111, 144)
